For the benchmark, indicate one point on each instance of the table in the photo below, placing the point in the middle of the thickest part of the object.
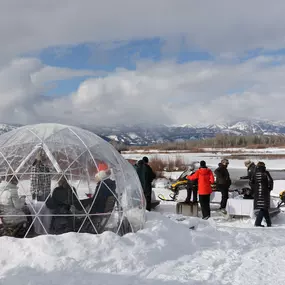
(244, 207)
(44, 215)
(240, 207)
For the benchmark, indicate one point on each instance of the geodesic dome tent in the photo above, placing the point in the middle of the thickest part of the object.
(58, 179)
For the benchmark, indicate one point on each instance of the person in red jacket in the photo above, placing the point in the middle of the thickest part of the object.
(205, 179)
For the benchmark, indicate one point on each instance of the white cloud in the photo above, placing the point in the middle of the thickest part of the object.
(165, 92)
(216, 26)
(22, 85)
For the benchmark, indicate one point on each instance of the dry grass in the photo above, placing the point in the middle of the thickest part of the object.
(172, 164)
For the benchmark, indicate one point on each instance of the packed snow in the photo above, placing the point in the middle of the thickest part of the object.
(218, 251)
(165, 252)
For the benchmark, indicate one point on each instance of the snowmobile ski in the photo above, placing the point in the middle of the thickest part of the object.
(172, 197)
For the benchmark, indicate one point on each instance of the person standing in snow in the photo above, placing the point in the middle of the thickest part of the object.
(250, 172)
(250, 165)
(192, 187)
(262, 183)
(223, 183)
(40, 178)
(205, 178)
(146, 176)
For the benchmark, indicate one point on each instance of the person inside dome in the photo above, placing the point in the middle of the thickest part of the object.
(40, 177)
(12, 207)
(63, 197)
(102, 202)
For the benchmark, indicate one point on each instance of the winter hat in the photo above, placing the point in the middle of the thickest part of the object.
(103, 172)
(260, 164)
(145, 159)
(202, 163)
(247, 163)
(225, 161)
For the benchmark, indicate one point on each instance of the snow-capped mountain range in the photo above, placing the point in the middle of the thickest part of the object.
(144, 134)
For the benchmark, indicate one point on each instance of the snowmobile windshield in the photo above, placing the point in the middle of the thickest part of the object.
(184, 174)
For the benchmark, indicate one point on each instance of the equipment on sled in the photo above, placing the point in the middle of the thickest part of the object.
(246, 192)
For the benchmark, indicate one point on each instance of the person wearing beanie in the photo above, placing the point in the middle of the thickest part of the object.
(205, 178)
(262, 183)
(250, 165)
(103, 172)
(223, 183)
(145, 159)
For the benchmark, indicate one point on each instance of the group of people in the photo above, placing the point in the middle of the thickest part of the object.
(63, 202)
(202, 182)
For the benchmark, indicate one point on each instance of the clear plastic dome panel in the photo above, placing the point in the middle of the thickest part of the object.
(57, 179)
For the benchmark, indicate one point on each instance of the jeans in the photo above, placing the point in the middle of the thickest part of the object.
(225, 195)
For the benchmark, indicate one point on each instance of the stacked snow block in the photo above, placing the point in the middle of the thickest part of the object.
(187, 209)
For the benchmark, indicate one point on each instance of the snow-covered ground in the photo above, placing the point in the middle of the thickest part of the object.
(166, 252)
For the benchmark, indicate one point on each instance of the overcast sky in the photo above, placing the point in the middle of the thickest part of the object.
(159, 61)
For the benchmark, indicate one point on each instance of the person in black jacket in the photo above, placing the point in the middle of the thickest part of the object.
(250, 169)
(262, 183)
(223, 182)
(192, 186)
(250, 172)
(149, 176)
(60, 202)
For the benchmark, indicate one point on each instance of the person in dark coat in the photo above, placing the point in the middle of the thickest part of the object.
(192, 187)
(60, 202)
(262, 183)
(223, 182)
(141, 170)
(146, 176)
(250, 169)
(149, 177)
(250, 172)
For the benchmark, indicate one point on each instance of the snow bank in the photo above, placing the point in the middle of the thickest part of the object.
(165, 252)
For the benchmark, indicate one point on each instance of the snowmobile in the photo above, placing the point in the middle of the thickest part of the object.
(282, 198)
(181, 182)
